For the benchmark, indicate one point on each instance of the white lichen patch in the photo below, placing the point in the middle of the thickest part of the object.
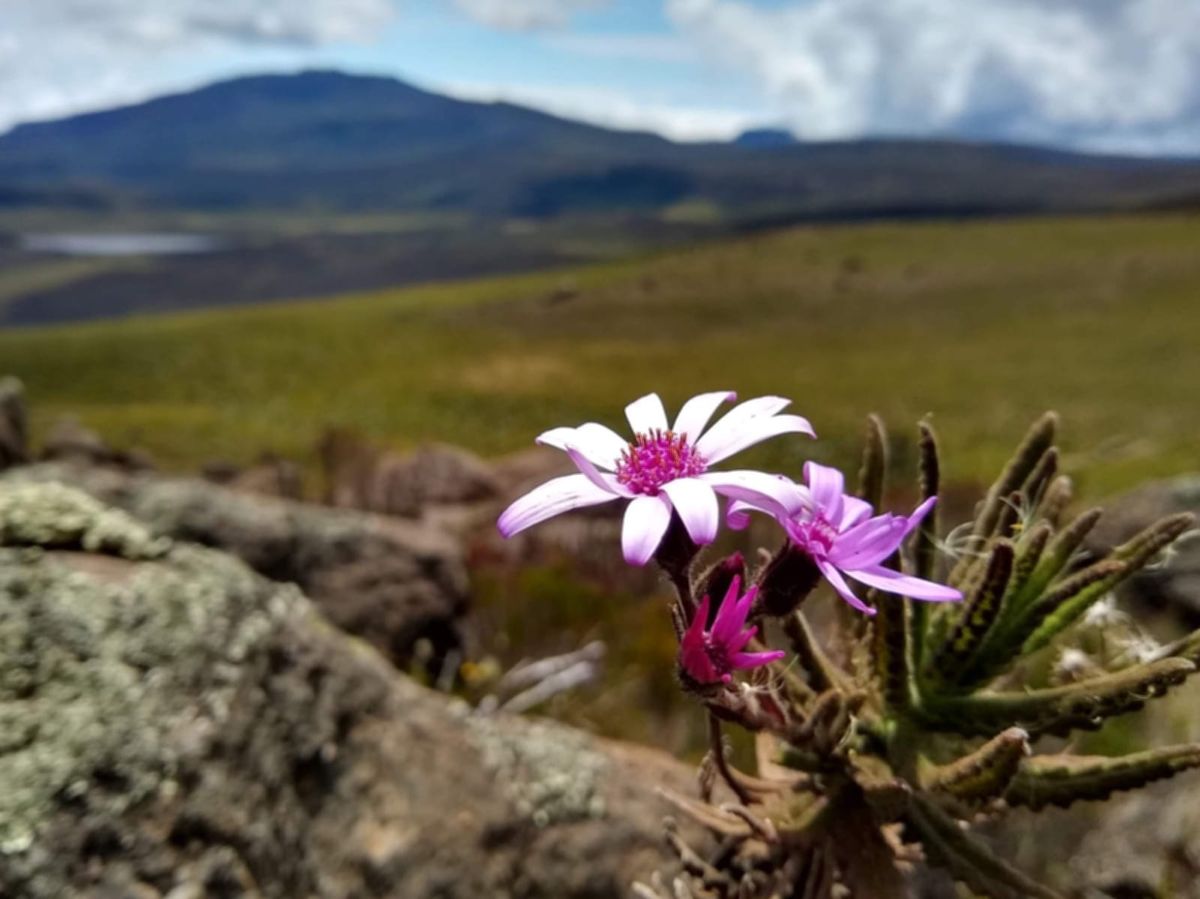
(550, 774)
(56, 516)
(92, 670)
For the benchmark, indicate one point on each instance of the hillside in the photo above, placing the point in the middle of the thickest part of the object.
(353, 143)
(982, 325)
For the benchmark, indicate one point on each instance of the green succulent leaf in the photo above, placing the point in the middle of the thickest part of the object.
(1056, 499)
(926, 542)
(970, 861)
(1055, 710)
(1040, 478)
(1054, 558)
(978, 614)
(872, 476)
(892, 651)
(983, 774)
(1023, 463)
(1063, 779)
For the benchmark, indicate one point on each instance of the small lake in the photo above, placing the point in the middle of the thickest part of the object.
(128, 244)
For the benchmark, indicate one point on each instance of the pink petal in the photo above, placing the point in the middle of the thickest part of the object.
(756, 659)
(572, 491)
(603, 446)
(697, 507)
(601, 479)
(904, 584)
(646, 521)
(694, 635)
(647, 414)
(828, 488)
(919, 514)
(870, 542)
(729, 620)
(737, 516)
(693, 652)
(770, 493)
(839, 584)
(697, 411)
(854, 511)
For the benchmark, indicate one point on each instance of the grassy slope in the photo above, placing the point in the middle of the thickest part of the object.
(980, 324)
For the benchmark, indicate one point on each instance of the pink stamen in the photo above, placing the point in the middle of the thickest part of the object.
(657, 458)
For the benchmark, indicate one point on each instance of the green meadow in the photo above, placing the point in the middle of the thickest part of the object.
(979, 325)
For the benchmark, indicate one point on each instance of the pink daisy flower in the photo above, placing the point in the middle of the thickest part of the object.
(842, 537)
(663, 469)
(711, 656)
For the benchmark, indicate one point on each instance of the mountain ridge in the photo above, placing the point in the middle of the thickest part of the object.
(323, 139)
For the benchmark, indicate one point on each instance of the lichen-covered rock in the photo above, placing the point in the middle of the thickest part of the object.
(53, 515)
(181, 727)
(396, 584)
(14, 428)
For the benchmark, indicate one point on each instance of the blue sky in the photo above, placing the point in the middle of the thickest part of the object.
(1120, 75)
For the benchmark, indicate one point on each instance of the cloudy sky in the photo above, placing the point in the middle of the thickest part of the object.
(1119, 75)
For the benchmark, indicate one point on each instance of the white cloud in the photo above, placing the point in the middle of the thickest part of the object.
(525, 15)
(643, 47)
(1112, 74)
(614, 109)
(60, 56)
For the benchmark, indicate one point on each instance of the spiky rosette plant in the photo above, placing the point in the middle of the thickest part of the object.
(878, 743)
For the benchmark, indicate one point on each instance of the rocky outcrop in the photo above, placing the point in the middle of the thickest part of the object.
(361, 476)
(1176, 584)
(70, 441)
(14, 428)
(401, 586)
(271, 475)
(174, 725)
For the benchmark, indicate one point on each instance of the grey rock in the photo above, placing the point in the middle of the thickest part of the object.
(14, 426)
(70, 441)
(362, 476)
(398, 585)
(178, 726)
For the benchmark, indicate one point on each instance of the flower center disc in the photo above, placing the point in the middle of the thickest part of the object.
(818, 531)
(655, 459)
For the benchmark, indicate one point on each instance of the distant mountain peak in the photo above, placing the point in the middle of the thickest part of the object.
(766, 138)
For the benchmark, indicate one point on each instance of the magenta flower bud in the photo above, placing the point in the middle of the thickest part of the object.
(711, 655)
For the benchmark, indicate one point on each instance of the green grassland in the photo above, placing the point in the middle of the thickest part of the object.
(980, 325)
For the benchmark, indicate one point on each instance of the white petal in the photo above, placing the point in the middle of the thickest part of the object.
(772, 493)
(755, 431)
(697, 507)
(602, 446)
(713, 446)
(646, 520)
(647, 414)
(697, 411)
(603, 480)
(572, 491)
